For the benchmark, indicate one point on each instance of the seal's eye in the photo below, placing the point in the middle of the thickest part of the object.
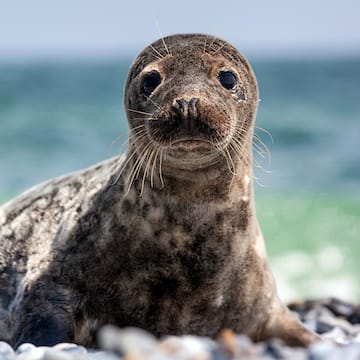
(150, 82)
(227, 79)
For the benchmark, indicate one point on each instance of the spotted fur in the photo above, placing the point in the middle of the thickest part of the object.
(165, 238)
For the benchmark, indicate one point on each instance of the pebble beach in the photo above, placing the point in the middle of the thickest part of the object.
(337, 321)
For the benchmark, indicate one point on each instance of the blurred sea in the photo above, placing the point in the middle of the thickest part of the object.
(59, 117)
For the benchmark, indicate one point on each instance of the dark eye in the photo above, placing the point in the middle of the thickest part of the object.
(227, 79)
(150, 82)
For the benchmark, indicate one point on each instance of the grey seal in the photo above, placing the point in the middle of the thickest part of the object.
(164, 238)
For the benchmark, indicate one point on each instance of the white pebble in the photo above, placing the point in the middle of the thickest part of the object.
(25, 348)
(52, 354)
(126, 340)
(70, 348)
(325, 350)
(6, 350)
(336, 334)
(188, 347)
(35, 353)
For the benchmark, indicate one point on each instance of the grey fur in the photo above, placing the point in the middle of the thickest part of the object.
(166, 238)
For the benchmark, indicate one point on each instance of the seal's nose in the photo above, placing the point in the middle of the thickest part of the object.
(186, 110)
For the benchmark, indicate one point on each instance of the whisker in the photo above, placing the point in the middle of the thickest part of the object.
(147, 169)
(138, 134)
(157, 53)
(259, 166)
(137, 166)
(228, 158)
(262, 147)
(257, 180)
(240, 149)
(124, 146)
(212, 42)
(154, 103)
(153, 167)
(113, 142)
(123, 166)
(137, 127)
(146, 118)
(140, 112)
(118, 138)
(162, 37)
(219, 48)
(259, 150)
(130, 155)
(205, 46)
(165, 46)
(266, 132)
(160, 168)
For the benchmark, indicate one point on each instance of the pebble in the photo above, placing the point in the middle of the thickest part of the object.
(70, 348)
(337, 321)
(6, 351)
(31, 353)
(26, 347)
(127, 340)
(53, 354)
(324, 350)
(187, 347)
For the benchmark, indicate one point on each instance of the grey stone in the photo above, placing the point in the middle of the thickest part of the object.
(70, 348)
(341, 308)
(126, 340)
(326, 324)
(311, 324)
(32, 353)
(331, 317)
(6, 350)
(187, 347)
(277, 350)
(337, 335)
(351, 352)
(102, 355)
(318, 312)
(26, 347)
(325, 350)
(323, 326)
(52, 354)
(356, 339)
(245, 348)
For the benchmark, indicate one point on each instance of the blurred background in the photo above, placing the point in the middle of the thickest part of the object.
(62, 70)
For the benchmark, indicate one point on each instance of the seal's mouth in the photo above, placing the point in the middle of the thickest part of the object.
(191, 144)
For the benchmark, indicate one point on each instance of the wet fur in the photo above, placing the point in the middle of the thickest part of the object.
(166, 238)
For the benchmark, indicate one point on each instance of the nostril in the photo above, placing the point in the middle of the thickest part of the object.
(192, 103)
(183, 104)
(186, 109)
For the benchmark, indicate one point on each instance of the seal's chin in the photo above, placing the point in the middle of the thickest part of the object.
(191, 154)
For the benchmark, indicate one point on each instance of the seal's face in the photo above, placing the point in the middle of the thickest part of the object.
(192, 97)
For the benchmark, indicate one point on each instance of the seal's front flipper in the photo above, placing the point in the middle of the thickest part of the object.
(42, 315)
(47, 331)
(285, 326)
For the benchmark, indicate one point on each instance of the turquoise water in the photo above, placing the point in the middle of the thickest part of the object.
(56, 118)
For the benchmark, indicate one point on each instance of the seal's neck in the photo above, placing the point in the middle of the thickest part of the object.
(219, 179)
(199, 196)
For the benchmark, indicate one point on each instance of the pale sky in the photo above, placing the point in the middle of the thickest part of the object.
(43, 28)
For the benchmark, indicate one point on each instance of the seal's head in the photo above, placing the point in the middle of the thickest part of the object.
(193, 98)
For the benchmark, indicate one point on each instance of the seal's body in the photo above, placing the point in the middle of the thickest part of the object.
(165, 238)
